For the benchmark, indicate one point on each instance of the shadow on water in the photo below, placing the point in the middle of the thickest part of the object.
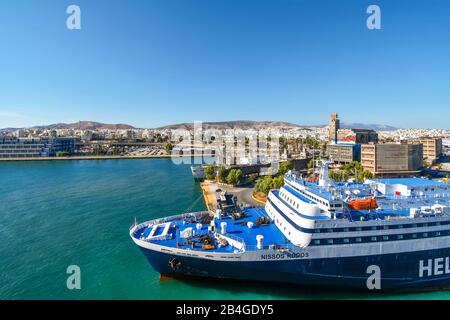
(268, 290)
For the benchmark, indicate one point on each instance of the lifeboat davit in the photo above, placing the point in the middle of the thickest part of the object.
(363, 204)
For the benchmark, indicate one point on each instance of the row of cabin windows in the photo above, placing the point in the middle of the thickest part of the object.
(318, 200)
(290, 200)
(281, 225)
(277, 222)
(431, 189)
(383, 227)
(395, 237)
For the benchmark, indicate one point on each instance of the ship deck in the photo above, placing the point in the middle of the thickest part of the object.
(167, 232)
(236, 230)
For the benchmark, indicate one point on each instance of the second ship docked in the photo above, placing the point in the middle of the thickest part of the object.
(321, 233)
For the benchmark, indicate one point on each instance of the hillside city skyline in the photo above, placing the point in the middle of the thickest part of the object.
(92, 125)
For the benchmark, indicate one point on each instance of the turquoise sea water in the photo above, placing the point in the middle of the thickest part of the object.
(60, 213)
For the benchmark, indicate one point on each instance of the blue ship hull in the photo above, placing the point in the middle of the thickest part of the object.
(398, 271)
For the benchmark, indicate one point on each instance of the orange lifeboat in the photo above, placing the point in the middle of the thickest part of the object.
(312, 179)
(363, 204)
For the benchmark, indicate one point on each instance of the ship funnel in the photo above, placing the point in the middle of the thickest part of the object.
(324, 179)
(223, 227)
(259, 241)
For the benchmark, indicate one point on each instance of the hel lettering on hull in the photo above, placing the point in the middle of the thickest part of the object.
(434, 267)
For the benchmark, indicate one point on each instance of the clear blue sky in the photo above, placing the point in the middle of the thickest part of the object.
(157, 62)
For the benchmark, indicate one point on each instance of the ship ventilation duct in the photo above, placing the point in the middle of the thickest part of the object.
(223, 228)
(259, 241)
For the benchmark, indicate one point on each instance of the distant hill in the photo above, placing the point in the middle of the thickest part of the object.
(8, 129)
(85, 125)
(221, 125)
(240, 124)
(376, 127)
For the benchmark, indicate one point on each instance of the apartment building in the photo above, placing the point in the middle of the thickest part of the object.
(342, 153)
(13, 147)
(432, 148)
(392, 160)
(357, 135)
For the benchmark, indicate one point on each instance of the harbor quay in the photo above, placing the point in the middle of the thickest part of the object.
(106, 157)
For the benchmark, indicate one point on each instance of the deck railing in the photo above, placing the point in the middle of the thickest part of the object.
(420, 197)
(233, 238)
(271, 247)
(169, 219)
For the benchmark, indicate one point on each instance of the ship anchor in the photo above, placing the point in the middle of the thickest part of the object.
(174, 264)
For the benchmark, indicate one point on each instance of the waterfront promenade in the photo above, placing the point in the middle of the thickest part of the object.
(209, 190)
(105, 157)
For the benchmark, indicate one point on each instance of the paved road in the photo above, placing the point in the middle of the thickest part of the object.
(243, 194)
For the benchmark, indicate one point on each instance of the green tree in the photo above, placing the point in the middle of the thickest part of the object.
(234, 177)
(252, 177)
(264, 185)
(285, 167)
(324, 149)
(277, 182)
(314, 143)
(222, 174)
(352, 168)
(365, 174)
(338, 175)
(210, 173)
(168, 147)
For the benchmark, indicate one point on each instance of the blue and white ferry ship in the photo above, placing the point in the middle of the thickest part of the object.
(381, 234)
